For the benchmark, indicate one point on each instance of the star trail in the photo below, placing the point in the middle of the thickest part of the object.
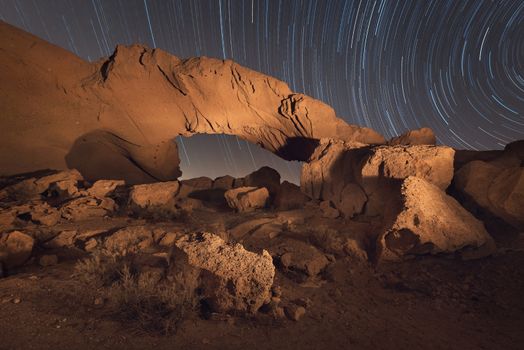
(454, 66)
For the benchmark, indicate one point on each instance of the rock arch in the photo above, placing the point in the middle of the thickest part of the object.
(126, 109)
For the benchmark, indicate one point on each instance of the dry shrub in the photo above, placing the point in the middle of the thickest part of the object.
(147, 301)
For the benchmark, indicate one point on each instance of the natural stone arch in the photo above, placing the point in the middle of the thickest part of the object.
(132, 104)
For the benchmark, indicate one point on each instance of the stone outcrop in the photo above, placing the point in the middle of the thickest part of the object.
(116, 118)
(422, 136)
(229, 278)
(160, 195)
(289, 196)
(245, 199)
(425, 220)
(63, 184)
(264, 177)
(495, 190)
(372, 174)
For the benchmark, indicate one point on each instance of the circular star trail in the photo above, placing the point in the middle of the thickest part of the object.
(454, 66)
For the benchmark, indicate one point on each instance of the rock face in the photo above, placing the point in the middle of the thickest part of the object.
(231, 279)
(15, 248)
(115, 118)
(422, 136)
(337, 170)
(497, 190)
(427, 221)
(245, 199)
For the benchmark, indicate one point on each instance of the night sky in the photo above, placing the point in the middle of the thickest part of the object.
(454, 66)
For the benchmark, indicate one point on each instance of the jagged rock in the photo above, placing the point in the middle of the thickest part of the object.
(425, 220)
(63, 184)
(224, 182)
(264, 177)
(42, 213)
(328, 211)
(104, 188)
(299, 259)
(84, 208)
(289, 196)
(160, 195)
(230, 278)
(131, 239)
(15, 248)
(422, 136)
(149, 97)
(377, 170)
(245, 199)
(496, 190)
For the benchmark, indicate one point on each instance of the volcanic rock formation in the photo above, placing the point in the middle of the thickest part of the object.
(117, 118)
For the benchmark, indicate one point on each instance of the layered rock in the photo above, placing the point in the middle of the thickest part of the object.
(425, 220)
(229, 278)
(116, 118)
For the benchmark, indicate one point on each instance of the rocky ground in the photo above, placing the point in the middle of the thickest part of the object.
(230, 264)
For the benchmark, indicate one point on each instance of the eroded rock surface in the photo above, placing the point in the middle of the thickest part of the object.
(132, 104)
(377, 171)
(231, 279)
(427, 221)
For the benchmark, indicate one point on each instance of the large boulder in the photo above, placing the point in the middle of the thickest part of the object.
(264, 177)
(229, 278)
(425, 220)
(154, 196)
(15, 248)
(196, 184)
(422, 136)
(493, 190)
(289, 196)
(245, 199)
(377, 171)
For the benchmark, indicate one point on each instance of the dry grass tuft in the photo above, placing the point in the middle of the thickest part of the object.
(148, 301)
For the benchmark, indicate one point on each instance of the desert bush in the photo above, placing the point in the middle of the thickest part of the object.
(147, 301)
